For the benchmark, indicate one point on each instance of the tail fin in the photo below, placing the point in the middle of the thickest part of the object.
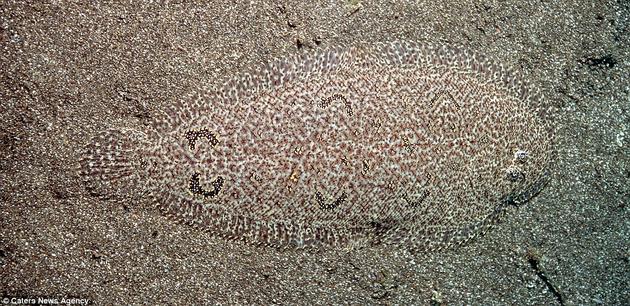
(111, 164)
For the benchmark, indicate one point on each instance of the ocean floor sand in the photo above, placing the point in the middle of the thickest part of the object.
(68, 70)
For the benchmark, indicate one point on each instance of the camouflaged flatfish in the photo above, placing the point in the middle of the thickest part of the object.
(401, 143)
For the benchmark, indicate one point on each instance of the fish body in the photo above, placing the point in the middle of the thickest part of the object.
(399, 143)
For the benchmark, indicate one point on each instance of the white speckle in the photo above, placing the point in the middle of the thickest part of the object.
(520, 154)
(620, 138)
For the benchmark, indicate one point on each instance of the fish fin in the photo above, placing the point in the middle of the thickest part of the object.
(111, 163)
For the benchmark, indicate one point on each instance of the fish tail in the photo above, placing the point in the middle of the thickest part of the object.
(111, 163)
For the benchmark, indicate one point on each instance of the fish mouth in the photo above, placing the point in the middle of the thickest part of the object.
(521, 197)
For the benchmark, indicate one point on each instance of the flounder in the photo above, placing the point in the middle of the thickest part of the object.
(397, 143)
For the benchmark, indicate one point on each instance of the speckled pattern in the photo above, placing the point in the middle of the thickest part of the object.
(69, 69)
(397, 143)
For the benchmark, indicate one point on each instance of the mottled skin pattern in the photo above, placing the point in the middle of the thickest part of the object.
(400, 143)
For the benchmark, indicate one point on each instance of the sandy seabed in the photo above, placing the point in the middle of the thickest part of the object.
(70, 69)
